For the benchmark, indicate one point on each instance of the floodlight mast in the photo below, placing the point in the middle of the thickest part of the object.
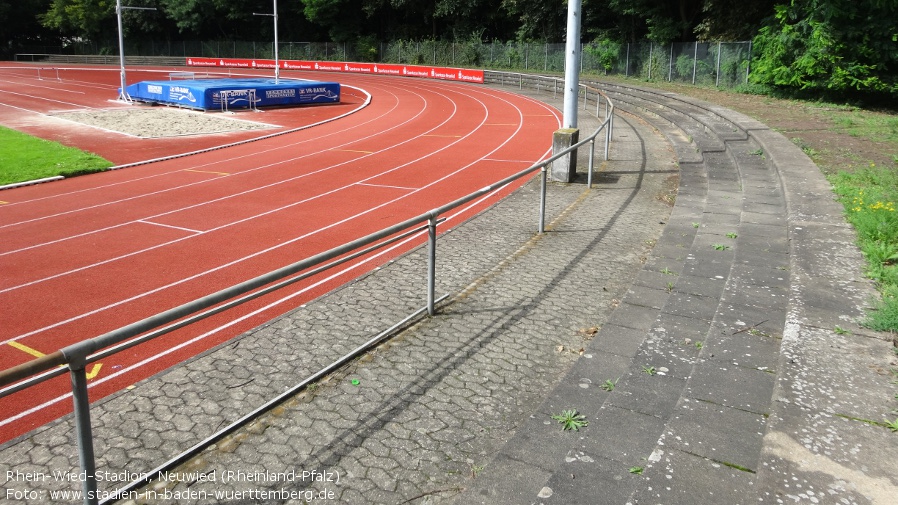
(123, 95)
(572, 65)
(277, 65)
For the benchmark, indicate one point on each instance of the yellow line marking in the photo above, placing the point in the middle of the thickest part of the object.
(205, 172)
(353, 151)
(3, 203)
(24, 348)
(94, 371)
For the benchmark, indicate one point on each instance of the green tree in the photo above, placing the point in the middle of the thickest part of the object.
(88, 19)
(538, 19)
(830, 46)
(658, 20)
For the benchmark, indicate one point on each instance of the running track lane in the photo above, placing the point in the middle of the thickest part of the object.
(90, 254)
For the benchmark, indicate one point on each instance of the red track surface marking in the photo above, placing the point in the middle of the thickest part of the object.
(90, 254)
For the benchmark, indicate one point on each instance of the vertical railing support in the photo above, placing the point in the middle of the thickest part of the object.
(431, 263)
(592, 155)
(84, 433)
(544, 174)
(608, 136)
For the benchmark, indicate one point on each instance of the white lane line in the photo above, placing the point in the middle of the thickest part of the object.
(48, 99)
(282, 244)
(385, 186)
(254, 313)
(207, 164)
(198, 232)
(54, 88)
(21, 108)
(234, 195)
(133, 253)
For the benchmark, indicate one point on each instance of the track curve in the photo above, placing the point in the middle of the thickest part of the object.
(87, 255)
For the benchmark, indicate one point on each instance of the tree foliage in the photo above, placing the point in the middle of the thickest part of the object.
(830, 46)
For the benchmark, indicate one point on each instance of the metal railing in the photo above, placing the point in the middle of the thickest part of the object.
(75, 358)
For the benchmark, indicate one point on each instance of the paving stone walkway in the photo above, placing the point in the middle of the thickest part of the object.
(714, 320)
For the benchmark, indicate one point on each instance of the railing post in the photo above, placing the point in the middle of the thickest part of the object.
(431, 262)
(84, 433)
(592, 155)
(542, 199)
(608, 136)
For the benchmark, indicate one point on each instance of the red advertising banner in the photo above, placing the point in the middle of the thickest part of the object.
(450, 74)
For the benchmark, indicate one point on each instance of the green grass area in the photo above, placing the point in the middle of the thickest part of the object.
(869, 196)
(25, 158)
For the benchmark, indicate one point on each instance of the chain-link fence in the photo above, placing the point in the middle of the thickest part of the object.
(725, 64)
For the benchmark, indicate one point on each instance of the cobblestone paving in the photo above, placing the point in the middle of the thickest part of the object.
(432, 405)
(417, 419)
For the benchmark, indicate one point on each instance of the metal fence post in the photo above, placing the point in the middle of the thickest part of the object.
(627, 67)
(650, 61)
(670, 64)
(748, 67)
(542, 199)
(717, 71)
(694, 62)
(431, 262)
(84, 433)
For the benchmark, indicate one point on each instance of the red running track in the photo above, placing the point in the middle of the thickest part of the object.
(87, 255)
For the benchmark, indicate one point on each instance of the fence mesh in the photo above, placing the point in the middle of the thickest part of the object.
(725, 64)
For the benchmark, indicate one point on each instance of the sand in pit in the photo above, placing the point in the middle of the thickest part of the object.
(156, 122)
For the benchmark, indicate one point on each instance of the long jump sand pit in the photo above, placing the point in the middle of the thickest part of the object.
(158, 122)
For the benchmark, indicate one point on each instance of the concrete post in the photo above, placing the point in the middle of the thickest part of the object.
(565, 168)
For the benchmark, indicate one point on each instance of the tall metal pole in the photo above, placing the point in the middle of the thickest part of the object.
(123, 95)
(572, 65)
(277, 65)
